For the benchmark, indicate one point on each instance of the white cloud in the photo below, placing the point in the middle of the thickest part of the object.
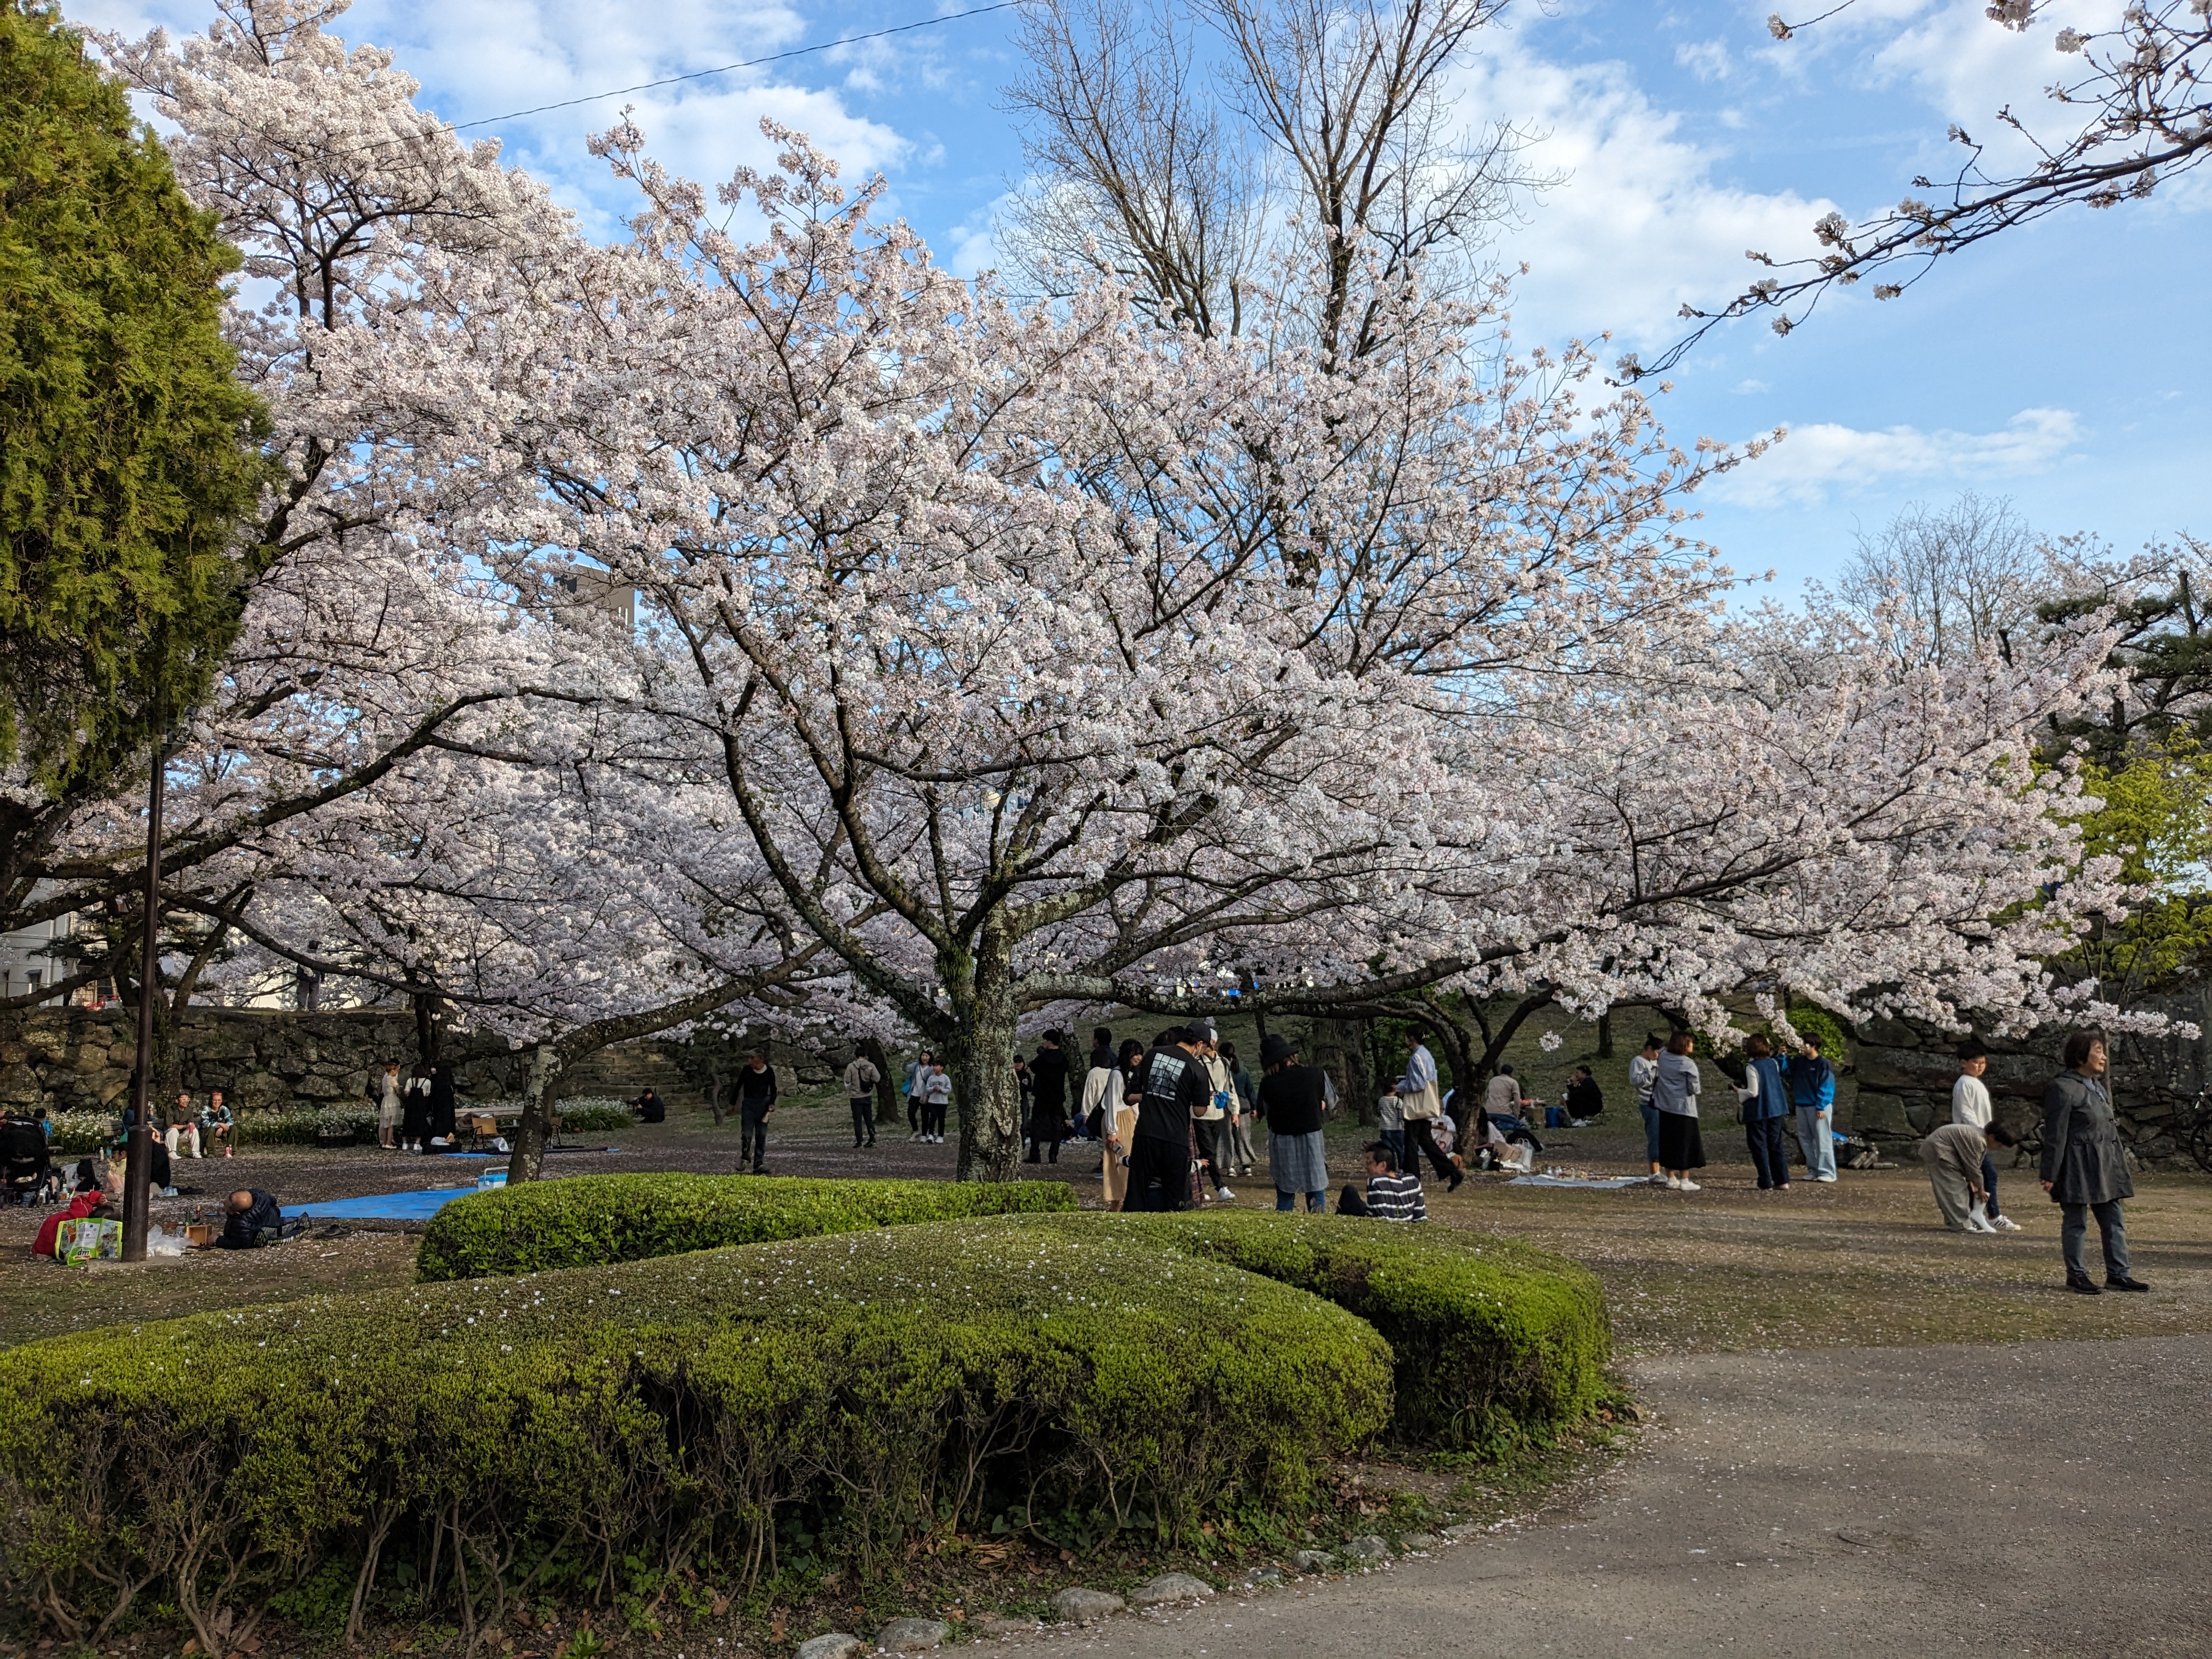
(1641, 226)
(1706, 59)
(1824, 458)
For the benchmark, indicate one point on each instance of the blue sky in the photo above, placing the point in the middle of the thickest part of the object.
(2064, 366)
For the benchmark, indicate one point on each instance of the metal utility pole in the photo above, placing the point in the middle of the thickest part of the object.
(138, 1148)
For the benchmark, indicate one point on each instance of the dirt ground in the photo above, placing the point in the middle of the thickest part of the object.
(1862, 1263)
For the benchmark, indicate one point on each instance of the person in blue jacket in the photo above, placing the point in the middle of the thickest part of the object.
(1813, 1090)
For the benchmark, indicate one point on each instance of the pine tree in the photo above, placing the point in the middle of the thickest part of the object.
(128, 449)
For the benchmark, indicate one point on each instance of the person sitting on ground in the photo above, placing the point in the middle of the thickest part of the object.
(1953, 1154)
(1389, 1196)
(246, 1211)
(92, 1206)
(1585, 1100)
(650, 1110)
(1502, 1098)
(215, 1123)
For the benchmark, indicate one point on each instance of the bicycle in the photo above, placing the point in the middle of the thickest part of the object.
(2192, 1126)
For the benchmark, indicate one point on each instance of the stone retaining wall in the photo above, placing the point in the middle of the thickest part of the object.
(274, 1059)
(1903, 1073)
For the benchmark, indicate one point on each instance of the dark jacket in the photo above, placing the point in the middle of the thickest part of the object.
(444, 1097)
(1049, 1076)
(2082, 1158)
(240, 1227)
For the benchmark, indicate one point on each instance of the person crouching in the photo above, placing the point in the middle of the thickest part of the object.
(1954, 1153)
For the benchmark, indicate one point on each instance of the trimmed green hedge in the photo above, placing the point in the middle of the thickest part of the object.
(1495, 1344)
(439, 1448)
(583, 1221)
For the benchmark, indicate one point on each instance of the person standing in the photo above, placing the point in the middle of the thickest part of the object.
(1240, 1153)
(1389, 1129)
(1104, 1102)
(1170, 1089)
(1764, 1099)
(1955, 1154)
(2085, 1168)
(414, 1110)
(1422, 1105)
(384, 1095)
(1048, 1081)
(936, 1101)
(445, 1106)
(861, 1079)
(756, 1097)
(1675, 1092)
(1969, 1105)
(1294, 1099)
(1210, 1126)
(916, 1075)
(1643, 1075)
(1813, 1092)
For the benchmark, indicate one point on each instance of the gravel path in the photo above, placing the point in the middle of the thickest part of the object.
(2043, 1498)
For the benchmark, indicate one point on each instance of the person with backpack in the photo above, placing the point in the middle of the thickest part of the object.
(1813, 1092)
(916, 1075)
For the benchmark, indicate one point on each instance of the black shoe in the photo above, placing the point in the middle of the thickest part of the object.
(2130, 1283)
(2083, 1287)
(1453, 1185)
(872, 1145)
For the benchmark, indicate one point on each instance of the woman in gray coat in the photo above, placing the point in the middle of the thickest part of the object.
(2085, 1169)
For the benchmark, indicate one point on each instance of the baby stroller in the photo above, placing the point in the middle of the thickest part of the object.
(26, 1172)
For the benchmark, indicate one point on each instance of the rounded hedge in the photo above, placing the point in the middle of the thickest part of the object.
(582, 1221)
(469, 1440)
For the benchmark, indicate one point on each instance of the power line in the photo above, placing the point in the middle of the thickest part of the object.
(748, 63)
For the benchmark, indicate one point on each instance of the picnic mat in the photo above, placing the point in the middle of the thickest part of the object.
(382, 1206)
(1609, 1184)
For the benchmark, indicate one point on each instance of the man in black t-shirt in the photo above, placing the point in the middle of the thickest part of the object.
(1169, 1088)
(756, 1094)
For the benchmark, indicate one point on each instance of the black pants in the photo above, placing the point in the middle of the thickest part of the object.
(1769, 1151)
(752, 1144)
(933, 1117)
(1159, 1174)
(1421, 1137)
(2111, 1231)
(1048, 1127)
(864, 1120)
(1990, 1186)
(1352, 1201)
(1212, 1134)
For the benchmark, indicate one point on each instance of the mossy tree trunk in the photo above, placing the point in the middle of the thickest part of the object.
(982, 1063)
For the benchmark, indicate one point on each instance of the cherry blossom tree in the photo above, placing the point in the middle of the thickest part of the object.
(2135, 109)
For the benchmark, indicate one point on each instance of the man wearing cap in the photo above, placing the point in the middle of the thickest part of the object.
(1293, 1099)
(1169, 1088)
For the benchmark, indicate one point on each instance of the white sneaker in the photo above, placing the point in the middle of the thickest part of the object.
(1661, 1180)
(1224, 1193)
(2004, 1224)
(1690, 1186)
(1675, 1184)
(1826, 1180)
(1978, 1223)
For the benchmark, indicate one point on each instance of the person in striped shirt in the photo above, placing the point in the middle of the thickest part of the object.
(1389, 1196)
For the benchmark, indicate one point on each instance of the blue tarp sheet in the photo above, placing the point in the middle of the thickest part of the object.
(382, 1206)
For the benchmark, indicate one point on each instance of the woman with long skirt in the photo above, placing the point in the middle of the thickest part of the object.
(1675, 1094)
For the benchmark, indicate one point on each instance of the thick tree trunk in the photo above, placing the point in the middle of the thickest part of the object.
(426, 1028)
(872, 1050)
(540, 1094)
(982, 1063)
(1340, 1048)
